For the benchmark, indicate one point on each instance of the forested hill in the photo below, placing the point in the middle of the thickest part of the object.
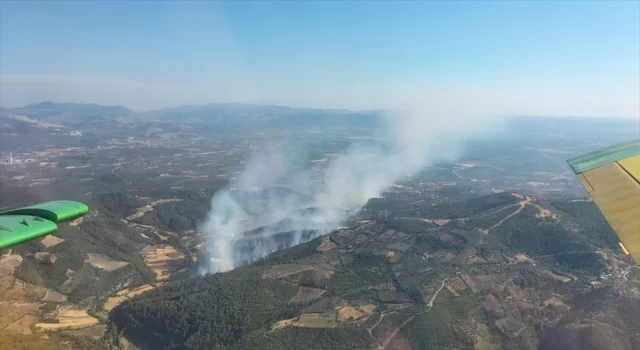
(501, 271)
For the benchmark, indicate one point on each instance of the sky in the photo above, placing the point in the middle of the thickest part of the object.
(548, 58)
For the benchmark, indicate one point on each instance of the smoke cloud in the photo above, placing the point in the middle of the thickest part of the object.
(274, 204)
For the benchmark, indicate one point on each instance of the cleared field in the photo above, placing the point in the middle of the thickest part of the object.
(554, 301)
(69, 317)
(124, 295)
(14, 311)
(307, 294)
(76, 222)
(51, 240)
(162, 260)
(8, 263)
(104, 262)
(140, 213)
(147, 208)
(18, 290)
(308, 321)
(355, 313)
(22, 325)
(285, 270)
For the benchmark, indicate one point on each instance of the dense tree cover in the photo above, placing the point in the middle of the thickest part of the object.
(210, 312)
(117, 204)
(587, 216)
(103, 235)
(177, 216)
(397, 261)
(461, 209)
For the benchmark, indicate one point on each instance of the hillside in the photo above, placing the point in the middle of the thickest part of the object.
(149, 182)
(500, 271)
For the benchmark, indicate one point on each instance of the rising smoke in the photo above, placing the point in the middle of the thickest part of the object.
(274, 205)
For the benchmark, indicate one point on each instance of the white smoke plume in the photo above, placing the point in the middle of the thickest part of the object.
(249, 220)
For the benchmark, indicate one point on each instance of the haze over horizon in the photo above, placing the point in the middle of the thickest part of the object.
(481, 58)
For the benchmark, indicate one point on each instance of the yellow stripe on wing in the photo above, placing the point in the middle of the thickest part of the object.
(624, 249)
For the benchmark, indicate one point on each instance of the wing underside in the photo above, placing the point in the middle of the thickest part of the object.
(611, 176)
(24, 224)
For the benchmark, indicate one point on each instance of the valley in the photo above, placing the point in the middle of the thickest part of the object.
(497, 250)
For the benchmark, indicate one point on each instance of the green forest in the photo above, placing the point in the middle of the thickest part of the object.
(238, 309)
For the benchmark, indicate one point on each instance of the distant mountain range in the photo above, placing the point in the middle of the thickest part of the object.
(276, 116)
(237, 116)
(67, 110)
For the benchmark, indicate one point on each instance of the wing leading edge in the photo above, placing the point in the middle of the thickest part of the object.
(24, 224)
(611, 176)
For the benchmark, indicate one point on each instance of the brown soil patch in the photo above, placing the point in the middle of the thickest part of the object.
(326, 245)
(390, 254)
(9, 263)
(51, 240)
(22, 291)
(104, 262)
(554, 301)
(76, 222)
(519, 258)
(545, 213)
(22, 325)
(140, 213)
(13, 311)
(307, 294)
(162, 260)
(492, 303)
(355, 313)
(283, 323)
(69, 317)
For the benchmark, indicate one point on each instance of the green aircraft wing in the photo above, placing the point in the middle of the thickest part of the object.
(611, 176)
(24, 224)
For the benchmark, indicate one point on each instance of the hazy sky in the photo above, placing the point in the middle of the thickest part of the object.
(544, 58)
